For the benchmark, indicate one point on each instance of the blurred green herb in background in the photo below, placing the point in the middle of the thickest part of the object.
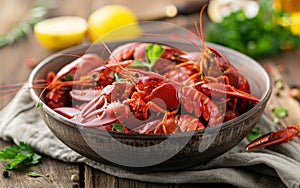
(37, 13)
(256, 37)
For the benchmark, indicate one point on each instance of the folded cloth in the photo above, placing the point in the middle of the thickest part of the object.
(277, 166)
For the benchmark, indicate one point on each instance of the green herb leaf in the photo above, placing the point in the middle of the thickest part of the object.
(34, 174)
(19, 159)
(18, 155)
(153, 52)
(280, 112)
(39, 105)
(254, 134)
(35, 159)
(138, 63)
(8, 153)
(69, 77)
(201, 76)
(256, 37)
(118, 127)
(117, 77)
(276, 120)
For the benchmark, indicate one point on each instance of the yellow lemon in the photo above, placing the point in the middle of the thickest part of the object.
(112, 22)
(61, 32)
(295, 23)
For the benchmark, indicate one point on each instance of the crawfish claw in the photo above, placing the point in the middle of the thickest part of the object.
(67, 112)
(272, 138)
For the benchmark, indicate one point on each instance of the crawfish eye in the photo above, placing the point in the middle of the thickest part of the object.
(175, 54)
(136, 75)
(212, 54)
(94, 76)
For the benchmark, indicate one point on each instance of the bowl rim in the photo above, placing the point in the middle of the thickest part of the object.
(83, 47)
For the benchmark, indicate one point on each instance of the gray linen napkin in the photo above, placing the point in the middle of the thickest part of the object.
(277, 166)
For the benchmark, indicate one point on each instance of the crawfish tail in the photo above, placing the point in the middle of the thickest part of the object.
(200, 104)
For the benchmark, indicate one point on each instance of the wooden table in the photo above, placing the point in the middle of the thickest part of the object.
(14, 70)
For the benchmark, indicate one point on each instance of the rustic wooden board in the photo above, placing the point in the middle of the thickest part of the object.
(14, 70)
(281, 98)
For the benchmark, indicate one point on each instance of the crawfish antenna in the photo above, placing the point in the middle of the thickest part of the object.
(104, 44)
(199, 29)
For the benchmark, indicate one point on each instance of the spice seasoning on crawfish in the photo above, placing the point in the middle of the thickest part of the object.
(150, 88)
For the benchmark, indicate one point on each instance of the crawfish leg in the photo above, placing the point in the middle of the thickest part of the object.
(272, 138)
(167, 114)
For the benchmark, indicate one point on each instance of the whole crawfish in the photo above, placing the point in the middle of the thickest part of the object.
(87, 71)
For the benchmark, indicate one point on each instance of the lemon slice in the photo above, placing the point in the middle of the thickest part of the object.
(112, 22)
(61, 32)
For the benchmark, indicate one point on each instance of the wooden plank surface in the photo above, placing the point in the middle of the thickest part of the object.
(281, 96)
(57, 173)
(14, 70)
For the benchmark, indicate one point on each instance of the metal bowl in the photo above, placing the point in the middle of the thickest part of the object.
(154, 152)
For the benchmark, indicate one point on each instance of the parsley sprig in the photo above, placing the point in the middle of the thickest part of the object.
(118, 127)
(153, 53)
(22, 154)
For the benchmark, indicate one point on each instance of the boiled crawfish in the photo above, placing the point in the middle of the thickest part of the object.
(172, 93)
(151, 102)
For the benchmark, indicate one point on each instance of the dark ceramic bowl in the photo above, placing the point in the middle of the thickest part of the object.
(154, 152)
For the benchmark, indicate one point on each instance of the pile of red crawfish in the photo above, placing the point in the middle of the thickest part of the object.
(150, 88)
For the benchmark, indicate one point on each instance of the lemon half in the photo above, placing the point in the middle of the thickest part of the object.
(61, 32)
(112, 22)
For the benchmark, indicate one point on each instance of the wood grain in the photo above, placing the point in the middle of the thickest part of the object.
(55, 174)
(281, 98)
